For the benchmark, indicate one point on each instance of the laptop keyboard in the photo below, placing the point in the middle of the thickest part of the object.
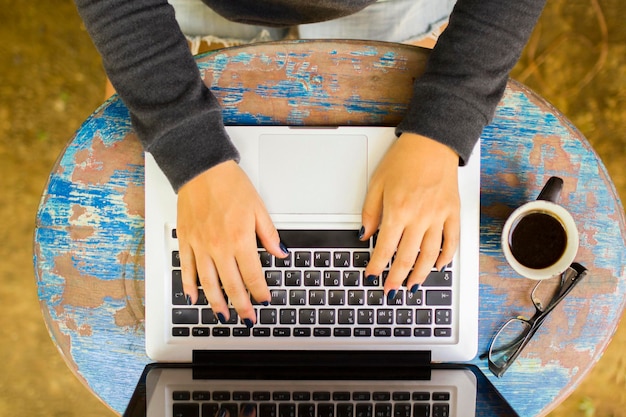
(320, 291)
(285, 403)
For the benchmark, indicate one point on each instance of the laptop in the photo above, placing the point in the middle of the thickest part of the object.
(320, 299)
(328, 384)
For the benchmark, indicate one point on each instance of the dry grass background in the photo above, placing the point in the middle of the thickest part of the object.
(51, 80)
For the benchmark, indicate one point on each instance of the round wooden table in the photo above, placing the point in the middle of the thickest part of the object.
(88, 244)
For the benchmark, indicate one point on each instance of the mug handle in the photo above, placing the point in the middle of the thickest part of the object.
(552, 190)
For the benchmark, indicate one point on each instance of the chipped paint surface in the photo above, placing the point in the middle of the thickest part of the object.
(88, 252)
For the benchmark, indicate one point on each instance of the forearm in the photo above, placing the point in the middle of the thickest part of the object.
(148, 61)
(468, 70)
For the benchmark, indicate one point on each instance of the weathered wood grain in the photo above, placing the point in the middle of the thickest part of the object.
(88, 244)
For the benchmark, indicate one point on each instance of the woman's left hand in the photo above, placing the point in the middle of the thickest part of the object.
(413, 200)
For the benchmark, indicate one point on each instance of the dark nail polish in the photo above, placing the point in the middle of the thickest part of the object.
(442, 268)
(188, 299)
(361, 232)
(265, 303)
(392, 294)
(248, 410)
(221, 318)
(371, 278)
(223, 412)
(248, 324)
(414, 288)
(284, 248)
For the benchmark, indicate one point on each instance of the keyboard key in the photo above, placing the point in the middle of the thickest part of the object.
(341, 396)
(321, 396)
(421, 332)
(351, 278)
(317, 297)
(441, 410)
(384, 316)
(266, 259)
(312, 278)
(301, 396)
(286, 410)
(332, 278)
(441, 396)
(364, 410)
(265, 410)
(404, 316)
(383, 410)
(345, 410)
(283, 262)
(414, 299)
(185, 316)
(186, 410)
(322, 332)
(261, 396)
(326, 316)
(397, 300)
(401, 396)
(439, 297)
(421, 410)
(281, 332)
(321, 259)
(302, 332)
(361, 396)
(341, 259)
(181, 395)
(381, 396)
(261, 332)
(221, 331)
(365, 316)
(200, 331)
(362, 332)
(375, 297)
(208, 316)
(221, 396)
(279, 297)
(241, 332)
(268, 316)
(306, 410)
(423, 316)
(302, 259)
(421, 396)
(382, 332)
(345, 316)
(356, 297)
(201, 396)
(438, 279)
(325, 410)
(402, 332)
(360, 259)
(307, 316)
(273, 278)
(342, 332)
(348, 239)
(180, 331)
(443, 316)
(443, 332)
(297, 297)
(281, 396)
(175, 259)
(336, 297)
(287, 316)
(178, 296)
(293, 278)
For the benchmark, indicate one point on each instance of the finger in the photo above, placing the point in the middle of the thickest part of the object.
(188, 273)
(268, 235)
(253, 278)
(451, 238)
(233, 285)
(386, 244)
(404, 259)
(372, 212)
(212, 289)
(429, 251)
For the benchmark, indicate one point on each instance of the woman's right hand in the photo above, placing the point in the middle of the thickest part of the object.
(220, 216)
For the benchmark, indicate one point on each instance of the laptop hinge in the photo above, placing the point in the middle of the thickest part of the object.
(325, 358)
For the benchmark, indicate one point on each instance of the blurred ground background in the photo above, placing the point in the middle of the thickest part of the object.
(51, 80)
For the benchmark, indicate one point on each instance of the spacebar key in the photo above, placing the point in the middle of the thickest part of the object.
(322, 239)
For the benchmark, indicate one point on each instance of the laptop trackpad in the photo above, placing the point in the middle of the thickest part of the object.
(313, 173)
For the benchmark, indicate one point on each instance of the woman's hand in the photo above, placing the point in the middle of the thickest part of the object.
(220, 215)
(413, 199)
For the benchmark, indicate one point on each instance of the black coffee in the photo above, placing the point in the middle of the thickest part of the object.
(538, 240)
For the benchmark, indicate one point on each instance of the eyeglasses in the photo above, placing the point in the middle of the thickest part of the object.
(515, 334)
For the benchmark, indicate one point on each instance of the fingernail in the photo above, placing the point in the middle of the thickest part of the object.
(248, 410)
(222, 413)
(265, 303)
(188, 299)
(392, 294)
(414, 288)
(284, 248)
(442, 268)
(221, 318)
(361, 232)
(371, 278)
(248, 323)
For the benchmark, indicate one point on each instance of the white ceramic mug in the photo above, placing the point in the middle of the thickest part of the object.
(540, 238)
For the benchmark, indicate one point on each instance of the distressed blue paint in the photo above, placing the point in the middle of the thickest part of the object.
(118, 351)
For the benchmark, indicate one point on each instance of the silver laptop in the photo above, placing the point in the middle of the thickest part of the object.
(320, 299)
(335, 386)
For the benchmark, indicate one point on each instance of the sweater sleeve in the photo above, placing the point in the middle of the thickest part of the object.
(468, 70)
(148, 61)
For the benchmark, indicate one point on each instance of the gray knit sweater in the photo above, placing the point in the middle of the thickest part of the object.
(179, 121)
